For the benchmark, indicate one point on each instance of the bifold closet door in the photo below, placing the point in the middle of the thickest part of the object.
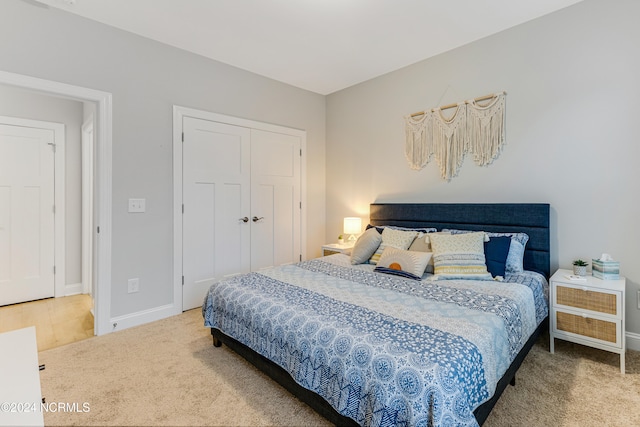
(216, 195)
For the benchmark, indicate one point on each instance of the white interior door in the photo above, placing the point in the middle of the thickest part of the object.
(26, 214)
(216, 197)
(275, 199)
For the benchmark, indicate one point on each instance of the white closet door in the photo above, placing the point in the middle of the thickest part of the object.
(216, 196)
(26, 214)
(275, 199)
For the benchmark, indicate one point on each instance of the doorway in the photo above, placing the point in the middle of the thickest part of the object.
(101, 248)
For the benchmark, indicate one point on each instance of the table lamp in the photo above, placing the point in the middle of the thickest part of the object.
(352, 226)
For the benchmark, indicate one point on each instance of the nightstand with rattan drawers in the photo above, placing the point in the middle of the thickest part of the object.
(337, 248)
(588, 312)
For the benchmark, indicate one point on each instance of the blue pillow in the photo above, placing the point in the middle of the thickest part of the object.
(496, 251)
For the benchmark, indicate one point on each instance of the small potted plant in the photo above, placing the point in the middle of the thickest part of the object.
(340, 239)
(580, 267)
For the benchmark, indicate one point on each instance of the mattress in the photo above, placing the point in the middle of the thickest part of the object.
(381, 349)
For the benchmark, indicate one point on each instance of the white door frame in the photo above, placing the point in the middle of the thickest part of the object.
(178, 114)
(59, 278)
(102, 202)
(87, 144)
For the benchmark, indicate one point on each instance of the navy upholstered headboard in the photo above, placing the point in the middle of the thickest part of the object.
(530, 218)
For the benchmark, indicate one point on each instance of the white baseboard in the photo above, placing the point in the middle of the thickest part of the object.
(633, 341)
(141, 317)
(73, 289)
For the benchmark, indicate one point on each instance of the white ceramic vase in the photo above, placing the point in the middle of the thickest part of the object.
(580, 270)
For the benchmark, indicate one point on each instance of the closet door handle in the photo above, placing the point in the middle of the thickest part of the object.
(256, 219)
(244, 219)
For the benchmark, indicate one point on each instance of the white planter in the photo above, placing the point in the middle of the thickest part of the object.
(580, 270)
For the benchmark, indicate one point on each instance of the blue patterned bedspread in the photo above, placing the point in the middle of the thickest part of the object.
(382, 350)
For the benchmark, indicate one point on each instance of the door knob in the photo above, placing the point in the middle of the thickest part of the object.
(256, 219)
(244, 219)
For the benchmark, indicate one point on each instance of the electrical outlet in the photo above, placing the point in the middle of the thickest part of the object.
(137, 205)
(133, 285)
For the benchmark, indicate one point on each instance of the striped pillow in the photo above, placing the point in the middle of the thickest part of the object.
(515, 259)
(459, 256)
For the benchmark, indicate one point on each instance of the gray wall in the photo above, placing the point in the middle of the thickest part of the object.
(572, 80)
(29, 105)
(146, 79)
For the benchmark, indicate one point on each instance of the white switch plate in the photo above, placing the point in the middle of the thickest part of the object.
(133, 285)
(137, 205)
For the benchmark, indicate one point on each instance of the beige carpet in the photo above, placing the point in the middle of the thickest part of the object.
(168, 373)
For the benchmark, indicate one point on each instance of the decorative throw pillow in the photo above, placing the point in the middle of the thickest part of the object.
(423, 244)
(495, 253)
(377, 227)
(405, 263)
(399, 239)
(459, 256)
(365, 246)
(515, 258)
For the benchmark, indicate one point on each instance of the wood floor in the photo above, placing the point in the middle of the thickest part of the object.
(58, 321)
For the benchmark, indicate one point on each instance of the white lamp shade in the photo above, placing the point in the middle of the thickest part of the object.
(352, 225)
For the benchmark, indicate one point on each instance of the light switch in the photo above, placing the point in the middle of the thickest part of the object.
(137, 205)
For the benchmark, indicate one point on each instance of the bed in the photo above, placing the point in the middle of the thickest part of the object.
(368, 348)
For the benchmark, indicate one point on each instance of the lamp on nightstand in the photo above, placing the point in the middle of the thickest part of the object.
(352, 226)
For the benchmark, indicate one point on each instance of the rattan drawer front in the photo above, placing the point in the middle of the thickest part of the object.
(594, 328)
(588, 300)
(329, 252)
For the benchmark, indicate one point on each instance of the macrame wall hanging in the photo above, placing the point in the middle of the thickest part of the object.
(476, 126)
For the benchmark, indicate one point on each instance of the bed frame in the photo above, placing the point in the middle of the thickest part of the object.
(532, 219)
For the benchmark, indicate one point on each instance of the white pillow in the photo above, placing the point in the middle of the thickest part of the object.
(412, 262)
(365, 246)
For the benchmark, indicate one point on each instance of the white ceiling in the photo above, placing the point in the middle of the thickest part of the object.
(319, 45)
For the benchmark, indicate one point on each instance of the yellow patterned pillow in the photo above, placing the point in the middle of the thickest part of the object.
(459, 256)
(399, 239)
